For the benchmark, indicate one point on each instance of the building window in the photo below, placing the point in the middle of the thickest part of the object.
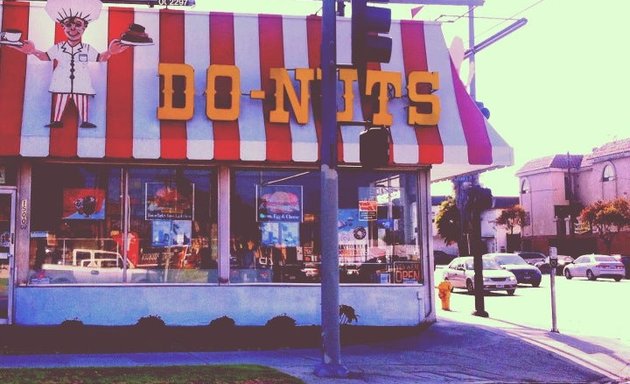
(609, 173)
(524, 187)
(275, 227)
(80, 215)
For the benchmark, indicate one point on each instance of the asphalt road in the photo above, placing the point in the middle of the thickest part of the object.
(590, 308)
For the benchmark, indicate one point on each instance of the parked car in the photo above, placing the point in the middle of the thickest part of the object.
(563, 260)
(532, 257)
(524, 272)
(460, 272)
(625, 260)
(442, 258)
(594, 266)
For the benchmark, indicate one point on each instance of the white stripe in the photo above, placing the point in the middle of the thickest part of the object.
(405, 144)
(91, 141)
(146, 126)
(35, 140)
(251, 121)
(349, 134)
(450, 124)
(303, 137)
(197, 54)
(502, 153)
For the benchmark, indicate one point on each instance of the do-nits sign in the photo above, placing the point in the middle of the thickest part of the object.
(223, 94)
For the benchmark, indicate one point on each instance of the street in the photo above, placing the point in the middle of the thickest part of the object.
(589, 308)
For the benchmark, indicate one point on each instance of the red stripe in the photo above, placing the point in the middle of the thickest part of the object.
(12, 78)
(172, 133)
(119, 129)
(477, 140)
(63, 141)
(314, 37)
(272, 56)
(430, 146)
(226, 133)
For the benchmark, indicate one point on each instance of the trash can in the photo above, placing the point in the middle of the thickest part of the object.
(444, 293)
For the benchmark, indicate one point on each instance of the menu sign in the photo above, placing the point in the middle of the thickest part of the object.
(279, 203)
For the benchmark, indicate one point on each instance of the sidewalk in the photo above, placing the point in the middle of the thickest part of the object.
(459, 347)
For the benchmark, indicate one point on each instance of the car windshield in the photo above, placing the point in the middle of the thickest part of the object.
(487, 264)
(604, 258)
(509, 259)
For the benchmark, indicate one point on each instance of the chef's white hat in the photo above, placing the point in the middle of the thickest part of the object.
(88, 10)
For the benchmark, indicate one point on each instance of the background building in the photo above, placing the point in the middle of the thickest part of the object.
(554, 189)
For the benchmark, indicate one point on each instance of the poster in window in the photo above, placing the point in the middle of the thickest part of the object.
(83, 204)
(169, 201)
(350, 228)
(280, 234)
(171, 232)
(279, 203)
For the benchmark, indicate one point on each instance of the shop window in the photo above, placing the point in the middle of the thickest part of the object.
(276, 230)
(8, 173)
(80, 214)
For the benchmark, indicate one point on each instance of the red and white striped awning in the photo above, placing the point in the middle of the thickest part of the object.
(127, 93)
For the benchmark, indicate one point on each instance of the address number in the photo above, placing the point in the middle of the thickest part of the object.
(173, 2)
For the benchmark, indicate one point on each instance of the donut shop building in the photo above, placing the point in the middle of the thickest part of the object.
(194, 192)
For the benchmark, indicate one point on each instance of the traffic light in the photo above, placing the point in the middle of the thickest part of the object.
(374, 147)
(367, 23)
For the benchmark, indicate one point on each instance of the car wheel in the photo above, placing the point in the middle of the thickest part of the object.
(590, 275)
(470, 287)
(567, 274)
(618, 278)
(536, 284)
(511, 292)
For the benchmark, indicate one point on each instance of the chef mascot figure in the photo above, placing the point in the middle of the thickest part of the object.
(71, 76)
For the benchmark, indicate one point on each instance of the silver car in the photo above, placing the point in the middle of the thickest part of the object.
(594, 266)
(460, 272)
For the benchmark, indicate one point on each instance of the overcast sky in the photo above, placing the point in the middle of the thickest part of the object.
(557, 85)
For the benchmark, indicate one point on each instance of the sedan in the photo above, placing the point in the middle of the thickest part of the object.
(594, 266)
(525, 273)
(460, 272)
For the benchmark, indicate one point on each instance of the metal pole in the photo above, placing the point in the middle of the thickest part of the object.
(471, 44)
(331, 346)
(554, 322)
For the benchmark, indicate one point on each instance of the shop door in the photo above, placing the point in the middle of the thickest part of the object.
(7, 244)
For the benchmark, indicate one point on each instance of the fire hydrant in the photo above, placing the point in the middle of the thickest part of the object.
(444, 293)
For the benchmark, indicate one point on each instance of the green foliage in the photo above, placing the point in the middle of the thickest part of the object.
(281, 323)
(607, 218)
(347, 315)
(150, 322)
(223, 323)
(448, 221)
(512, 217)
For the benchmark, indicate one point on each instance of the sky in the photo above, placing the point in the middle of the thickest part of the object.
(559, 84)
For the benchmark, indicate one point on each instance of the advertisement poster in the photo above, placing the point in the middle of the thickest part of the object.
(350, 228)
(171, 232)
(280, 234)
(279, 203)
(169, 202)
(83, 204)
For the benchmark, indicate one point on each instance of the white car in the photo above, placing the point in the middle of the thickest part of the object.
(594, 266)
(460, 272)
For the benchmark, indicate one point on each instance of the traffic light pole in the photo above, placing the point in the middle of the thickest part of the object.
(329, 270)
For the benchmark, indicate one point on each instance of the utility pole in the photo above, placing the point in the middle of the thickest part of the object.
(329, 270)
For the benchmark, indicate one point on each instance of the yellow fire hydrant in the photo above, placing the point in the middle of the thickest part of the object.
(444, 293)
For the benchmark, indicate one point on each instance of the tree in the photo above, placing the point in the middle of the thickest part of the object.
(608, 218)
(512, 217)
(448, 220)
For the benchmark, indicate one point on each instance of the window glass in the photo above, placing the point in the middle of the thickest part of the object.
(275, 227)
(524, 186)
(78, 223)
(609, 173)
(172, 224)
(74, 210)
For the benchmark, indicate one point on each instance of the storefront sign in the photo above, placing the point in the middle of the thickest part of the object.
(279, 203)
(367, 210)
(223, 102)
(169, 201)
(406, 272)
